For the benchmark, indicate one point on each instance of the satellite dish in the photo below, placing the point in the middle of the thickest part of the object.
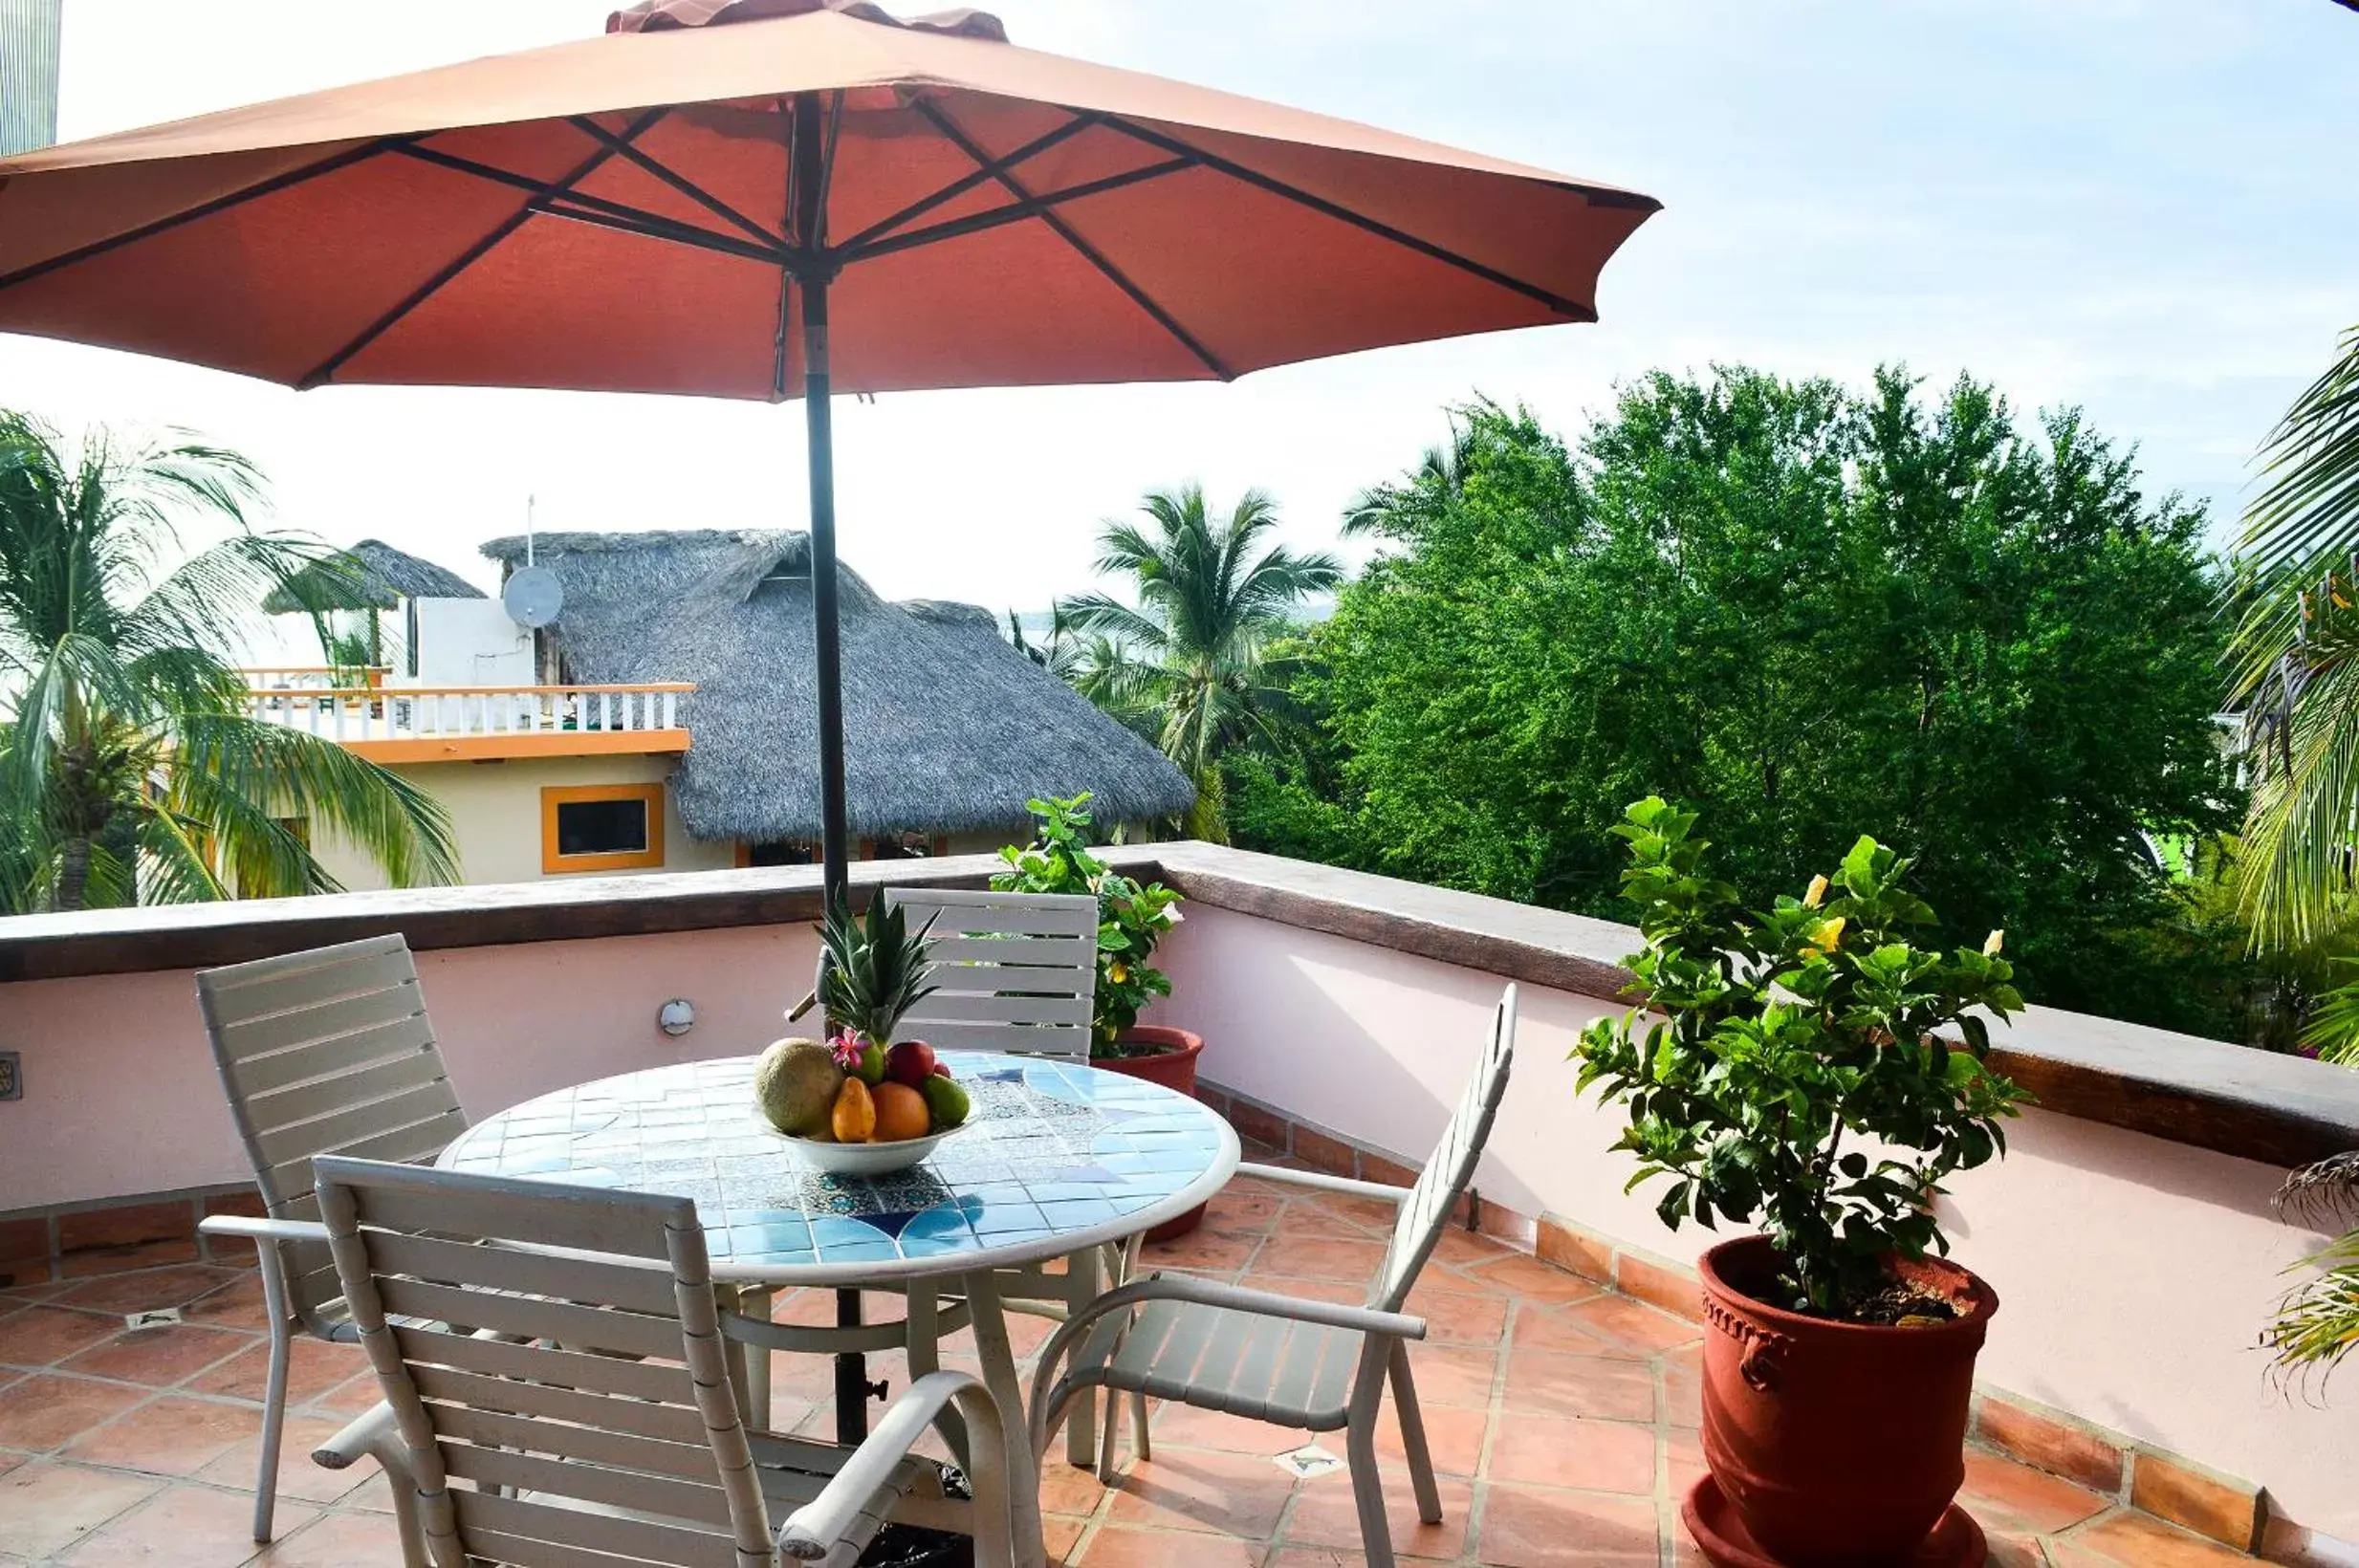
(533, 596)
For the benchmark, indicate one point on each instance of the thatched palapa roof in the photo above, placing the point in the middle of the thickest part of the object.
(379, 577)
(946, 727)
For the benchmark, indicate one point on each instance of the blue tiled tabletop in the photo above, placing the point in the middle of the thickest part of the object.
(1057, 1155)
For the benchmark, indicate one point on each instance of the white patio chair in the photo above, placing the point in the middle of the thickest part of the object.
(321, 1052)
(1311, 1365)
(592, 1414)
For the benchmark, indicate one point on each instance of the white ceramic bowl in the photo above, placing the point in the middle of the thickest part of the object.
(870, 1159)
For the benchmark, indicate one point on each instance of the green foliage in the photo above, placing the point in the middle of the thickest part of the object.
(1132, 916)
(2316, 1328)
(1190, 666)
(1782, 1033)
(129, 768)
(873, 968)
(1803, 611)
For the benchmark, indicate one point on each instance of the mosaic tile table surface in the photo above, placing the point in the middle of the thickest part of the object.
(1055, 1156)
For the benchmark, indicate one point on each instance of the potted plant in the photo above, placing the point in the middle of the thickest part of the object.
(1132, 917)
(1811, 1071)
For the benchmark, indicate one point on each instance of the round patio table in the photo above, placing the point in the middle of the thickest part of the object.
(1057, 1158)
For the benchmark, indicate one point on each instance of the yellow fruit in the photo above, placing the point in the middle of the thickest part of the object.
(855, 1118)
(901, 1113)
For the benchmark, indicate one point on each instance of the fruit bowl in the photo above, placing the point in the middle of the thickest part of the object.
(870, 1159)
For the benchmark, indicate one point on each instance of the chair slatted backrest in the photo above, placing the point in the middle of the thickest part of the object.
(326, 1052)
(585, 1414)
(1451, 1171)
(1013, 971)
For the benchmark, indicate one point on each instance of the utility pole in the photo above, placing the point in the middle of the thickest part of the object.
(30, 35)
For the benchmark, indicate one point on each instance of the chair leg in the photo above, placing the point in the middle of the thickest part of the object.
(755, 1302)
(273, 1424)
(1139, 1445)
(1412, 1436)
(1367, 1487)
(923, 1340)
(1081, 1424)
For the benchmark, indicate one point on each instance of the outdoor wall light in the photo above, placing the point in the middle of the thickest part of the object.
(676, 1018)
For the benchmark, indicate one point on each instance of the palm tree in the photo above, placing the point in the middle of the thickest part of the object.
(130, 771)
(1393, 509)
(1189, 665)
(2296, 681)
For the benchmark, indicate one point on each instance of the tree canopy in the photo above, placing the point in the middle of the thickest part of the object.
(1810, 613)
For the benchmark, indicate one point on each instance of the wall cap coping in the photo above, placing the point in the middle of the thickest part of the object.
(2254, 1104)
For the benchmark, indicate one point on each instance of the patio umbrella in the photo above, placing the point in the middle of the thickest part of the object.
(816, 199)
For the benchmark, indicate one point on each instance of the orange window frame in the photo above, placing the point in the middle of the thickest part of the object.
(554, 796)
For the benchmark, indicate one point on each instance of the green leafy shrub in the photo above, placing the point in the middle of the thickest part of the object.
(1788, 1069)
(1132, 916)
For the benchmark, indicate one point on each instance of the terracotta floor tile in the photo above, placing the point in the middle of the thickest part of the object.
(1683, 1459)
(2003, 1496)
(2016, 1551)
(2140, 1542)
(237, 1305)
(1189, 1427)
(1243, 1205)
(1452, 1435)
(1462, 1247)
(354, 1396)
(1326, 1257)
(1683, 1386)
(1117, 1547)
(1543, 1383)
(113, 1260)
(338, 1540)
(40, 1335)
(1194, 1489)
(1524, 1527)
(46, 1411)
(1528, 1277)
(46, 1508)
(1593, 1455)
(1218, 1250)
(183, 1527)
(1306, 1220)
(170, 1436)
(1374, 1217)
(146, 1292)
(1059, 1536)
(1457, 1318)
(1454, 1373)
(159, 1357)
(298, 1478)
(1326, 1515)
(1609, 1325)
(1068, 1488)
(314, 1366)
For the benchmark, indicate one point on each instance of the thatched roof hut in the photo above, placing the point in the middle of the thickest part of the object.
(381, 577)
(946, 727)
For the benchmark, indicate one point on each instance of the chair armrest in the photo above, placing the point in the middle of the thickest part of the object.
(1320, 1181)
(814, 1530)
(255, 1230)
(372, 1434)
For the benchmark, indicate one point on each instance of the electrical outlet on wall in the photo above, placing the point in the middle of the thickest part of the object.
(11, 1075)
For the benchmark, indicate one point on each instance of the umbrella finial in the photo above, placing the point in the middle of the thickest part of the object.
(665, 15)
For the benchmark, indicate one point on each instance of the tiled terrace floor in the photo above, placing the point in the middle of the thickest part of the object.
(1562, 1417)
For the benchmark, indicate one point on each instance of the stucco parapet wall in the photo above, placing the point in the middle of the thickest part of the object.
(2279, 1110)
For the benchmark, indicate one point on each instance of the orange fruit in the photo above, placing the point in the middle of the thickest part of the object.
(901, 1113)
(855, 1117)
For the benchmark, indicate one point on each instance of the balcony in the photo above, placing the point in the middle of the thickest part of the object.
(401, 724)
(2125, 1417)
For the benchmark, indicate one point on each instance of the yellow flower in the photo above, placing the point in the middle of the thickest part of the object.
(1991, 943)
(1116, 973)
(1818, 892)
(1825, 934)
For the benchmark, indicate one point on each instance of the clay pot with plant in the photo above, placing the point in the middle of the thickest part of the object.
(1810, 1070)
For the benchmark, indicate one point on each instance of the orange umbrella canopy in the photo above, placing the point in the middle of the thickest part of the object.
(629, 212)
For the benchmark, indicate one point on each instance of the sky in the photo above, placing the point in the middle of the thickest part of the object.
(2141, 208)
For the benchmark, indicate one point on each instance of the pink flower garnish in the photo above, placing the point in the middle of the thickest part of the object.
(847, 1048)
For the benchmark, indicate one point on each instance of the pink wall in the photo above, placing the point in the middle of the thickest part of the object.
(121, 1097)
(2133, 1273)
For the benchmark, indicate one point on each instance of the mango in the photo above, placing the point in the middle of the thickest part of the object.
(855, 1118)
(947, 1099)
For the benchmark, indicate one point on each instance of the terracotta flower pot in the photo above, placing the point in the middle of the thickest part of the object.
(1833, 1445)
(1174, 1067)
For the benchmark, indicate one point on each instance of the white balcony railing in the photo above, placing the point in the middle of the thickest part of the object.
(361, 714)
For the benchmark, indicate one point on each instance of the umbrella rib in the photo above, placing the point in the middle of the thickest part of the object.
(473, 254)
(1000, 217)
(991, 169)
(1571, 307)
(1081, 246)
(205, 210)
(600, 210)
(678, 181)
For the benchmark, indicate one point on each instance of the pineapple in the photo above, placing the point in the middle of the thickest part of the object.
(873, 970)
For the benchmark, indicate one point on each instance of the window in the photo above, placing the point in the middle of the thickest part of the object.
(602, 827)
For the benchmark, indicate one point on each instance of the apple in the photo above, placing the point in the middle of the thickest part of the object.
(942, 1069)
(911, 1062)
